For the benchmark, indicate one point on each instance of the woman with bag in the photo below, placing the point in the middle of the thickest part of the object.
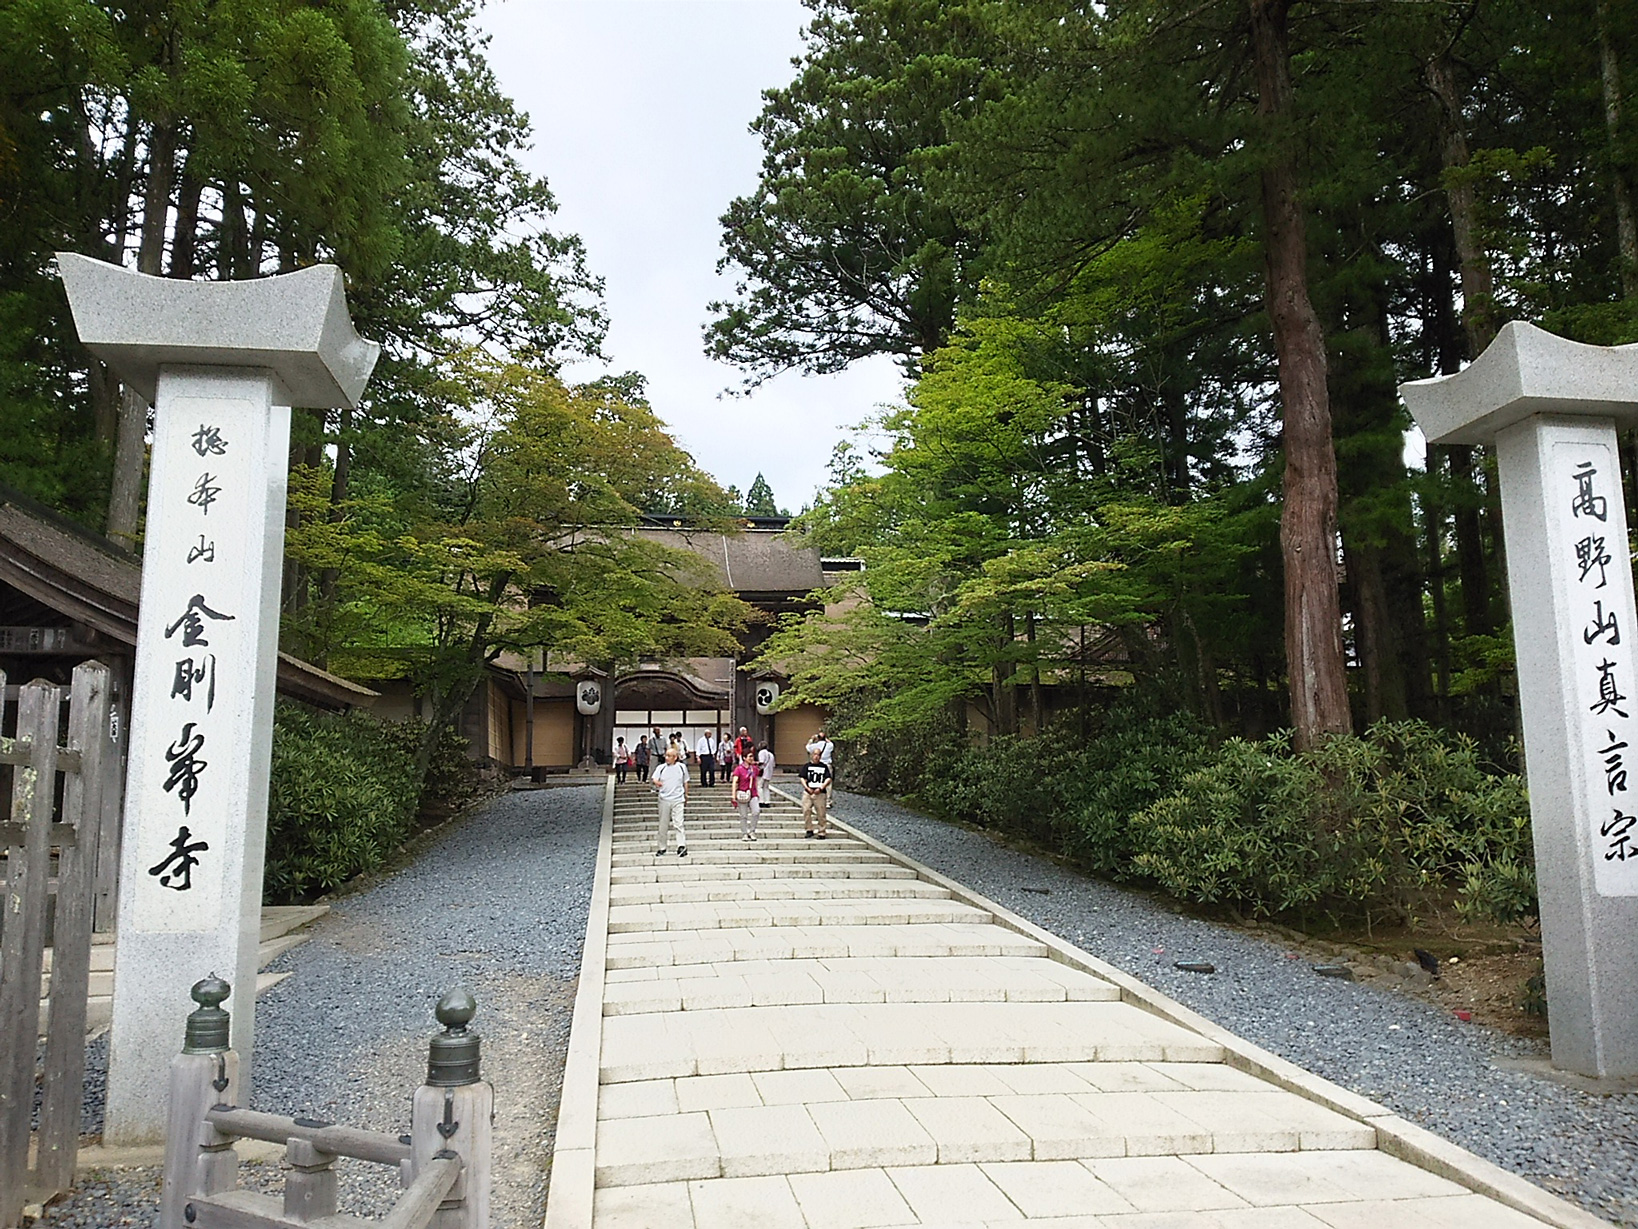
(744, 786)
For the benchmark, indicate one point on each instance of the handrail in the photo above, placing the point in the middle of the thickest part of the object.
(417, 1206)
(375, 1146)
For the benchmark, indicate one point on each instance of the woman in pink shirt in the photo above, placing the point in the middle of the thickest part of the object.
(746, 801)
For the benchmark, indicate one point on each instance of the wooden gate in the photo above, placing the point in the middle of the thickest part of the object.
(51, 769)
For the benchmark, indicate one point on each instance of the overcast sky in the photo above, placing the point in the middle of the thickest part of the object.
(640, 111)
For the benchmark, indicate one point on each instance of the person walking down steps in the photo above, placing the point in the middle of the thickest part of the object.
(671, 780)
(746, 801)
(815, 787)
(765, 770)
(706, 749)
(622, 761)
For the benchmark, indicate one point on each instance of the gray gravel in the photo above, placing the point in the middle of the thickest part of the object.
(496, 904)
(1396, 1049)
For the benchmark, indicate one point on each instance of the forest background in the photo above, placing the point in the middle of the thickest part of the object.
(1153, 270)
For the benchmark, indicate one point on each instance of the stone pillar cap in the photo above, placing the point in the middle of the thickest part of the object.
(1525, 371)
(295, 325)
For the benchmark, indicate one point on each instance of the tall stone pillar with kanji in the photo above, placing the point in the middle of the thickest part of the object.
(1551, 408)
(222, 363)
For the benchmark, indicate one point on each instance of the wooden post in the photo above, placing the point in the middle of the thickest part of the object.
(28, 867)
(64, 1077)
(113, 794)
(451, 1115)
(199, 1159)
(529, 719)
(310, 1185)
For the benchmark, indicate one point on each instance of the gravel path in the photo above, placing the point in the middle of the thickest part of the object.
(496, 904)
(1406, 1053)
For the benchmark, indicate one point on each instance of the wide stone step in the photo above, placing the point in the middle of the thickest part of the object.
(766, 843)
(784, 983)
(722, 1041)
(714, 800)
(722, 915)
(676, 870)
(1250, 1191)
(717, 814)
(779, 821)
(663, 950)
(740, 854)
(789, 1122)
(773, 889)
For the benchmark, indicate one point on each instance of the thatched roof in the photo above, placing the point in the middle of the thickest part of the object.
(753, 563)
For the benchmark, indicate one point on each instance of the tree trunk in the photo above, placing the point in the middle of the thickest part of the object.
(1205, 671)
(1478, 322)
(257, 244)
(1006, 695)
(156, 205)
(1037, 701)
(1626, 232)
(185, 240)
(1478, 280)
(1441, 614)
(125, 493)
(234, 247)
(1308, 521)
(1375, 640)
(448, 703)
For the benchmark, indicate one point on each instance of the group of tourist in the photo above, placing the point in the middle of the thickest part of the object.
(746, 768)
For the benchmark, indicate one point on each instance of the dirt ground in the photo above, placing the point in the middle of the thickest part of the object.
(1485, 970)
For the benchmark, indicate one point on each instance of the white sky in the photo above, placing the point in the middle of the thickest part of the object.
(640, 111)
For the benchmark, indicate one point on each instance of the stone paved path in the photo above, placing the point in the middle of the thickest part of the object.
(821, 1035)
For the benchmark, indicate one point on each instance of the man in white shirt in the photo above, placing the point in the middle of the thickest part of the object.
(671, 780)
(765, 767)
(706, 749)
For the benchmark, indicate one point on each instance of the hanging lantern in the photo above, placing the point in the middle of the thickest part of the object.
(767, 695)
(588, 697)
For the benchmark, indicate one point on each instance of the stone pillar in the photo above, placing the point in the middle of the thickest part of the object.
(222, 363)
(1551, 408)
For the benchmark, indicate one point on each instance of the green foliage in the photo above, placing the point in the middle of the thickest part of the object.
(526, 543)
(1371, 825)
(344, 795)
(759, 500)
(844, 253)
(1071, 795)
(1374, 826)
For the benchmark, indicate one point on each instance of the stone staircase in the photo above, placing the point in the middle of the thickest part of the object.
(283, 928)
(805, 1033)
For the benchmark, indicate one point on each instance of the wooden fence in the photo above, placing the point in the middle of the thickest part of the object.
(55, 768)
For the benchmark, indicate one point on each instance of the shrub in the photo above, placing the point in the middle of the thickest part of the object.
(1359, 825)
(1374, 825)
(1074, 796)
(342, 798)
(1133, 763)
(896, 762)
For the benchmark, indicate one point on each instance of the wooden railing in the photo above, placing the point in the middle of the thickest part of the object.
(443, 1162)
(55, 773)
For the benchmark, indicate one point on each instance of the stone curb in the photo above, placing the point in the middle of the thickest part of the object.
(1395, 1135)
(574, 1155)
